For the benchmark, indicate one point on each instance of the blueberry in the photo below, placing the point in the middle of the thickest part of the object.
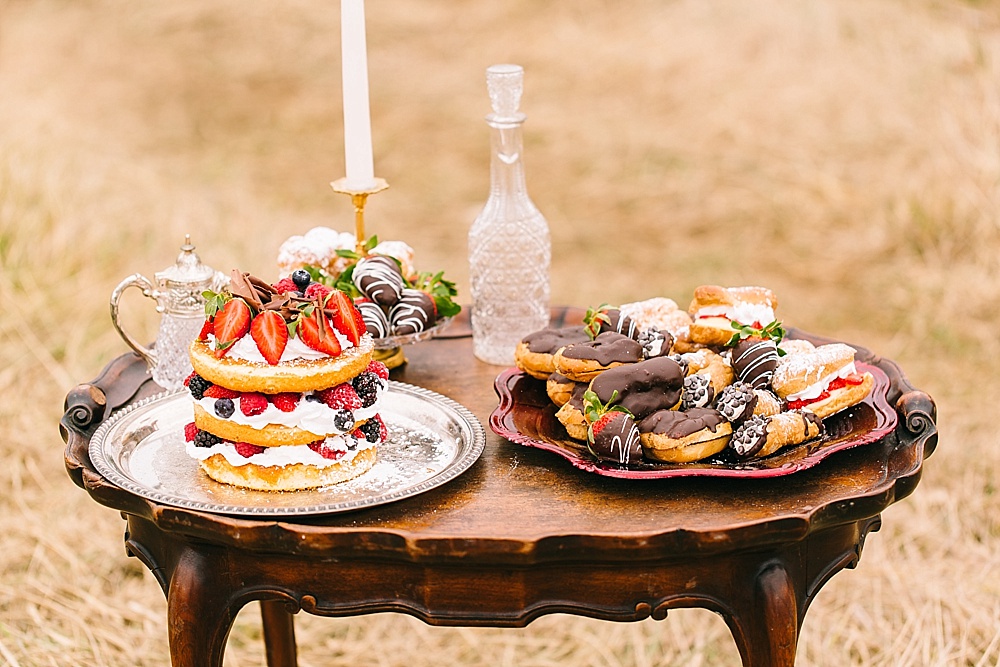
(224, 407)
(301, 278)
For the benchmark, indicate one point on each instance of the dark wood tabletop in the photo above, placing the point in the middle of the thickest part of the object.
(519, 534)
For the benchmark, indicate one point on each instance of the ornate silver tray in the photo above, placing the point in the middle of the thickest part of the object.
(431, 440)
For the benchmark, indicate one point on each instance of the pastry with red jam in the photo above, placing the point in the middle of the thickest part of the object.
(715, 310)
(823, 381)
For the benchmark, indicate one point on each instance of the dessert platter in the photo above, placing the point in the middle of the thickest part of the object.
(288, 400)
(648, 390)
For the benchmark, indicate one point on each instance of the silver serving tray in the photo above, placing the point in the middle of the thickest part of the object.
(431, 440)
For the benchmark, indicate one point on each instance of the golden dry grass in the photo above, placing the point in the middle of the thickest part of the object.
(846, 154)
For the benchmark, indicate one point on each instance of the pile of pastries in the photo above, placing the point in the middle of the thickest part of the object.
(650, 382)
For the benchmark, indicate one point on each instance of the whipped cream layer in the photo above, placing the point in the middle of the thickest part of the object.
(744, 313)
(815, 389)
(313, 416)
(246, 349)
(284, 455)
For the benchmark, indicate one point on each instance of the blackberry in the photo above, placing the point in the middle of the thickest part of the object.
(224, 407)
(197, 385)
(206, 439)
(367, 385)
(372, 430)
(343, 420)
(301, 278)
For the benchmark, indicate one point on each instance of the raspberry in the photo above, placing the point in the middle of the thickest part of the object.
(286, 402)
(190, 432)
(374, 429)
(341, 396)
(224, 407)
(318, 289)
(197, 385)
(187, 380)
(215, 391)
(324, 450)
(252, 404)
(246, 450)
(367, 385)
(285, 285)
(378, 368)
(206, 439)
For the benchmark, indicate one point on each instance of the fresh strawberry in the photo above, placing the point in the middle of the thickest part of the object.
(318, 289)
(347, 318)
(246, 450)
(285, 285)
(207, 329)
(231, 324)
(378, 368)
(324, 450)
(190, 431)
(215, 391)
(316, 332)
(286, 402)
(270, 333)
(340, 397)
(252, 404)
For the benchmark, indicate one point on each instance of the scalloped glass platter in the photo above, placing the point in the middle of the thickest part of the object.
(527, 416)
(431, 440)
(392, 342)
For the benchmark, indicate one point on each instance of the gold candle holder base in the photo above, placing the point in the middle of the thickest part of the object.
(359, 198)
(392, 358)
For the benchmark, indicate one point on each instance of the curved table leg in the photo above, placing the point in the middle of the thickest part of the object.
(279, 634)
(200, 613)
(766, 625)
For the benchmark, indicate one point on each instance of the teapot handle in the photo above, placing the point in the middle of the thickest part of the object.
(142, 282)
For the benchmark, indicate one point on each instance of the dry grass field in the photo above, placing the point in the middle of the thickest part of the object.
(845, 153)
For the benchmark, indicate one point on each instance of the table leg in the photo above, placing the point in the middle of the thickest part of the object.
(766, 624)
(200, 613)
(279, 634)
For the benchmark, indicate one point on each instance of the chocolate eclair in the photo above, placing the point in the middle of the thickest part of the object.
(681, 437)
(582, 362)
(641, 388)
(534, 354)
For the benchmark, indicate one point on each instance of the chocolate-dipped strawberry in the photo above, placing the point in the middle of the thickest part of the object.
(641, 388)
(755, 353)
(615, 437)
(380, 279)
(655, 343)
(376, 322)
(414, 312)
(698, 392)
(736, 402)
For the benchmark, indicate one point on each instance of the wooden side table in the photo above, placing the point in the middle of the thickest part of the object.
(518, 535)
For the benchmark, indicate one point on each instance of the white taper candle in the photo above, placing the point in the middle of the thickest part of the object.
(357, 116)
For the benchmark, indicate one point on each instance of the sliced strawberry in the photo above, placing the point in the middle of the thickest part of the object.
(215, 391)
(207, 329)
(316, 332)
(286, 402)
(231, 324)
(270, 333)
(347, 318)
(246, 450)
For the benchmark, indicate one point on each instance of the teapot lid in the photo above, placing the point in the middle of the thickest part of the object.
(188, 271)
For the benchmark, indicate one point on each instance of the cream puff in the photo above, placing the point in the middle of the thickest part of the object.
(714, 309)
(824, 381)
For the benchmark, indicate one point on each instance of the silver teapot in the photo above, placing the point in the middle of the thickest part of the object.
(177, 291)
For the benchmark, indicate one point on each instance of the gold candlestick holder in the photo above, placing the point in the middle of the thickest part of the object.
(359, 198)
(392, 357)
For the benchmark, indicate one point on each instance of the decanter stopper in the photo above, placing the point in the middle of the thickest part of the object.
(505, 83)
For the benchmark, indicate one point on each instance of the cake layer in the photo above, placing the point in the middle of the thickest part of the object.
(291, 477)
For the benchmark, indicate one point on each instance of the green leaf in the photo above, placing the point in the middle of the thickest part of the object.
(594, 318)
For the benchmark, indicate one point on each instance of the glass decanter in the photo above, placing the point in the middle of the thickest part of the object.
(509, 245)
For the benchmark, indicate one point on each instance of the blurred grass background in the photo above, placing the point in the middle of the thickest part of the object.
(844, 153)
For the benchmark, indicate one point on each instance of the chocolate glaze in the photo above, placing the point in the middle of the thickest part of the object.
(675, 424)
(559, 378)
(606, 349)
(547, 341)
(644, 387)
(754, 360)
(618, 441)
(812, 418)
(379, 279)
(412, 313)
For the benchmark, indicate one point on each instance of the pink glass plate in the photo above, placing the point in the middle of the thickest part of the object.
(527, 416)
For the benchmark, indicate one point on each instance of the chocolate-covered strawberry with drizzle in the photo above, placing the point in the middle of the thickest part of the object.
(613, 434)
